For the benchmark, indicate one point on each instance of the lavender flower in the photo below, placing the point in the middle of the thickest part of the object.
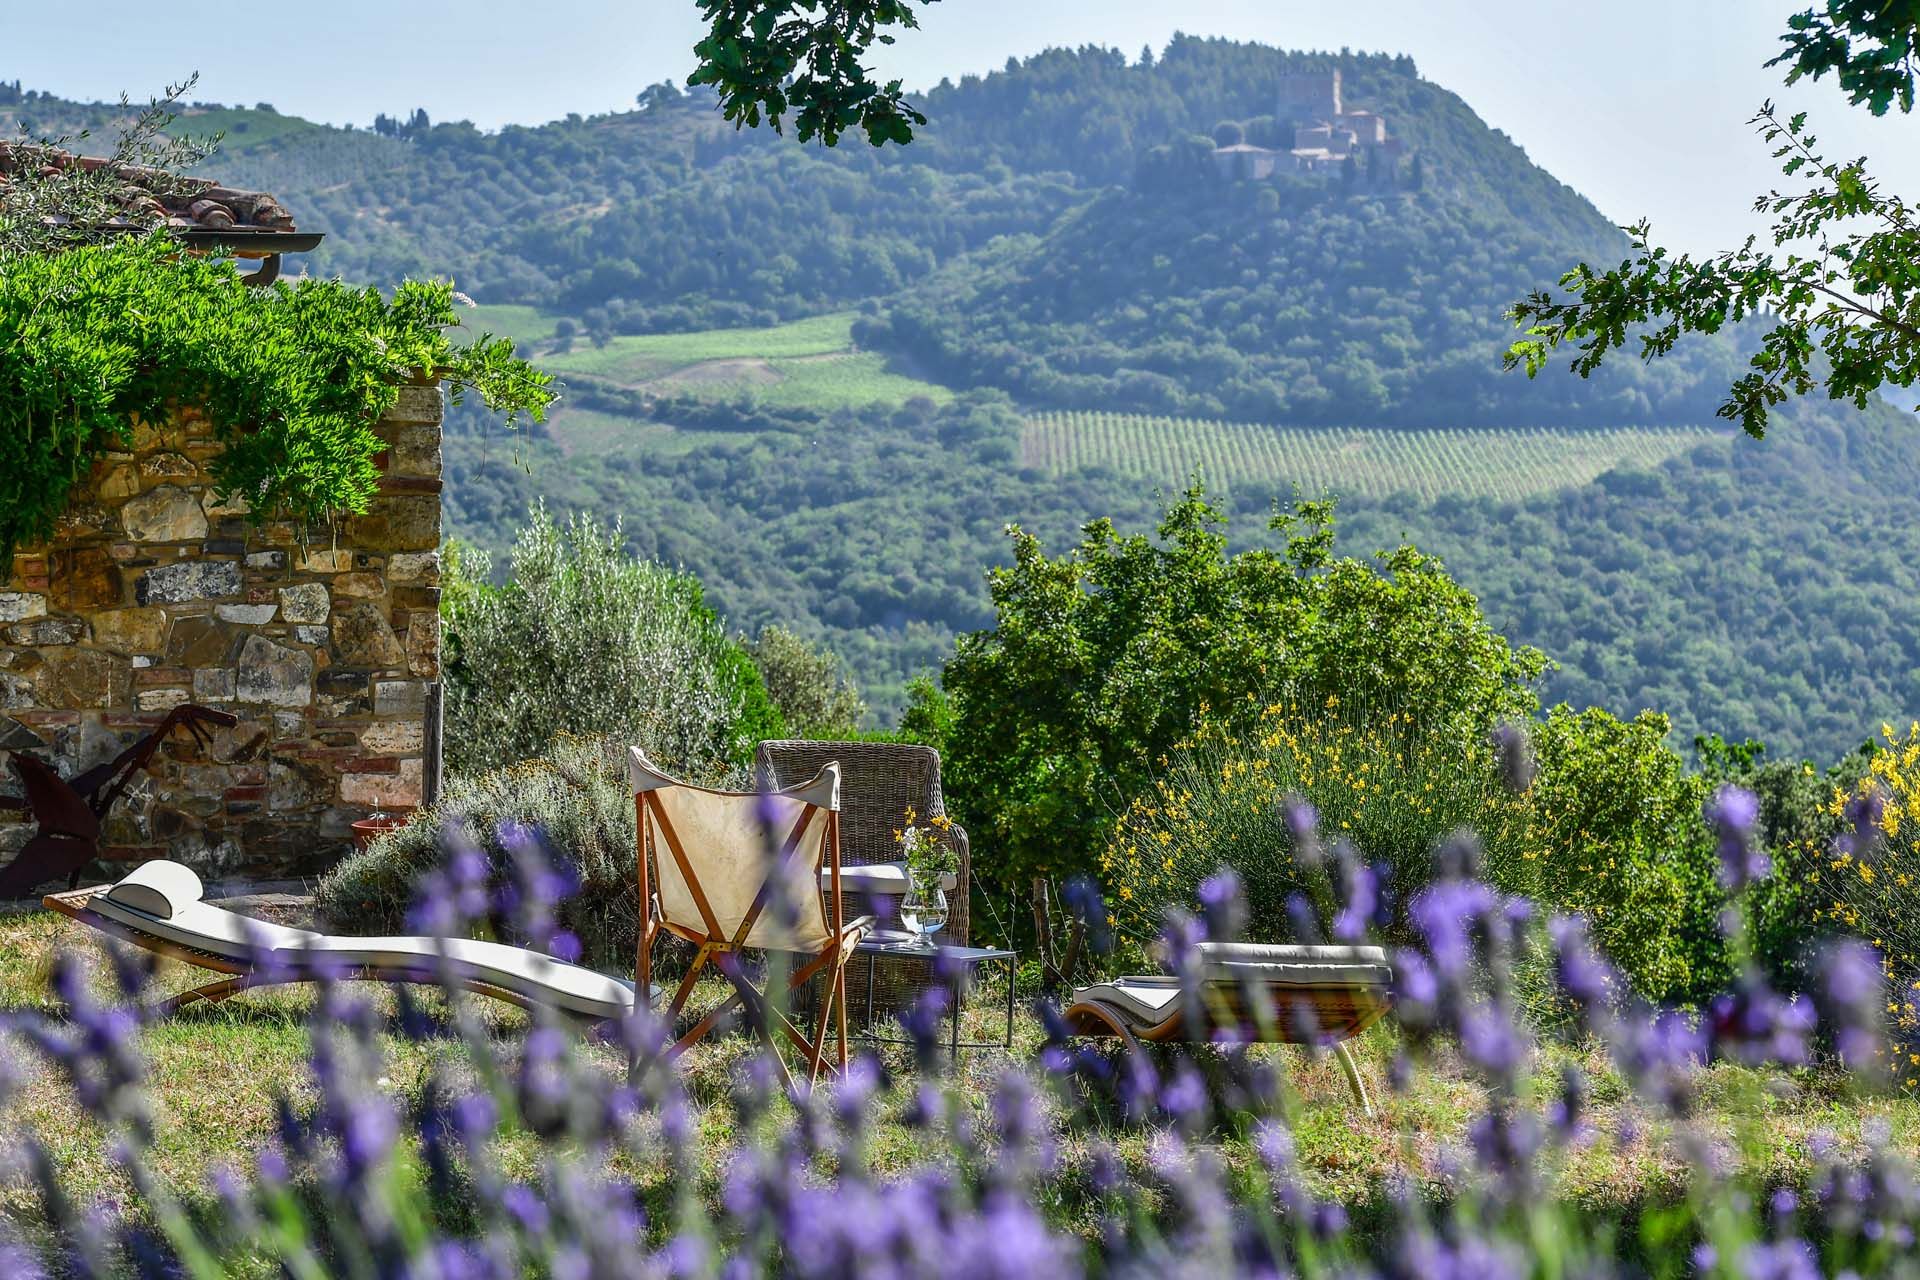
(1732, 813)
(1513, 756)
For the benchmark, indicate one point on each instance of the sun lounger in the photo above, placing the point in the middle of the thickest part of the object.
(158, 907)
(1277, 994)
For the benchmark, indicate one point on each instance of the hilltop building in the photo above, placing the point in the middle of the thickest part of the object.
(1325, 133)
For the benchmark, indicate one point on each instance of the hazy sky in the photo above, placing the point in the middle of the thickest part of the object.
(1639, 104)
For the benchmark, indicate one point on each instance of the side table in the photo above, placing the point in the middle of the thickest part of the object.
(963, 962)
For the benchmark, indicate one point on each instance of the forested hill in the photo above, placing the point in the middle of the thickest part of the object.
(1058, 230)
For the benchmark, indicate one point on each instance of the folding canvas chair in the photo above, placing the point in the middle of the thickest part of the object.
(731, 871)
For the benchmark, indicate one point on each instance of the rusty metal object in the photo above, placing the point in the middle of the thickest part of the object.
(70, 810)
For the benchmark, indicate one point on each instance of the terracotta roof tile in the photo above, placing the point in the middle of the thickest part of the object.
(187, 204)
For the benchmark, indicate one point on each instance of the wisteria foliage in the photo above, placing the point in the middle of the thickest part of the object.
(357, 1184)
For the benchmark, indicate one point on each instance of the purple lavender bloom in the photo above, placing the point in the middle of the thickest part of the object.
(1447, 915)
(1587, 979)
(1222, 899)
(1850, 991)
(528, 1210)
(1301, 916)
(1865, 812)
(1360, 897)
(1732, 812)
(1490, 1041)
(1303, 828)
(1791, 1259)
(1185, 1096)
(1754, 1025)
(1513, 756)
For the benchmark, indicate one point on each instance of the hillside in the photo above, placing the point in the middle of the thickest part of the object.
(826, 380)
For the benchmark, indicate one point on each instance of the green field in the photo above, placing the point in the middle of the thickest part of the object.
(634, 358)
(1501, 463)
(808, 364)
(593, 433)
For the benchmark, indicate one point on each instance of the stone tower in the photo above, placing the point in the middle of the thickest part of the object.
(1309, 95)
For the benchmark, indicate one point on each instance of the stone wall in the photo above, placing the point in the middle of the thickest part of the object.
(327, 646)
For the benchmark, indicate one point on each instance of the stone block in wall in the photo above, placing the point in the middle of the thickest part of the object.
(188, 580)
(415, 405)
(167, 513)
(398, 522)
(47, 631)
(401, 789)
(201, 640)
(394, 738)
(77, 679)
(130, 630)
(421, 567)
(273, 673)
(84, 577)
(363, 585)
(168, 466)
(327, 559)
(415, 452)
(305, 602)
(399, 697)
(362, 637)
(17, 606)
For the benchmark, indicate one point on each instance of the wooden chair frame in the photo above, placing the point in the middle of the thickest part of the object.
(715, 946)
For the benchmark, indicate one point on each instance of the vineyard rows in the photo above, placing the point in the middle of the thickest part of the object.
(1496, 462)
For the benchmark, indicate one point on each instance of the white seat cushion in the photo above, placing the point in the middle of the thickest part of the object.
(888, 878)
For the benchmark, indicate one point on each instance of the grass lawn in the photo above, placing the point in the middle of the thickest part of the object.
(215, 1073)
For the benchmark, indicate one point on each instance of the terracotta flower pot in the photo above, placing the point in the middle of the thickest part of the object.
(367, 830)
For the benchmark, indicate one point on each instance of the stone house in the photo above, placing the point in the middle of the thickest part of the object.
(324, 641)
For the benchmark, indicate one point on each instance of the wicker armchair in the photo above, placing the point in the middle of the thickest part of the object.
(878, 780)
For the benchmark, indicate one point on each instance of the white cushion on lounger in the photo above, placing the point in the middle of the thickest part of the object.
(1296, 966)
(158, 888)
(1146, 999)
(528, 973)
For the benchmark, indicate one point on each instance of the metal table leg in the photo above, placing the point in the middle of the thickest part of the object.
(1008, 1043)
(868, 1028)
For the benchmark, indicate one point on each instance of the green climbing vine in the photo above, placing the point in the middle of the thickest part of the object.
(292, 377)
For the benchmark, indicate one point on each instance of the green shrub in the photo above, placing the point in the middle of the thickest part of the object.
(292, 378)
(585, 639)
(809, 686)
(1102, 660)
(1616, 834)
(1392, 788)
(576, 793)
